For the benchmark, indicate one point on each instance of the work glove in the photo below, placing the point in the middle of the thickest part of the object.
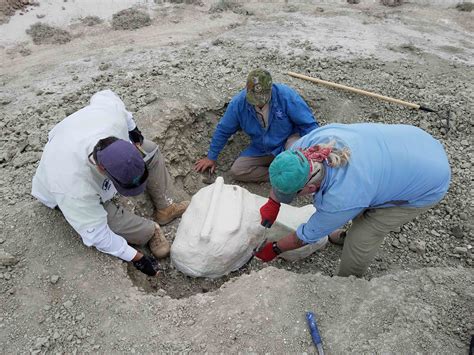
(269, 212)
(147, 264)
(269, 252)
(136, 136)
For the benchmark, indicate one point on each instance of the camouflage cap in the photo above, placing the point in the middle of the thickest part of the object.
(259, 87)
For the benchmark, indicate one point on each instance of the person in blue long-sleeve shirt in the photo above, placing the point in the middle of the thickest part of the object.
(379, 176)
(273, 115)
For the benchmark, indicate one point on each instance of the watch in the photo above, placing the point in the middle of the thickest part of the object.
(275, 248)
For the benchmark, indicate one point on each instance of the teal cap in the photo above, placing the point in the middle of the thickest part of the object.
(289, 173)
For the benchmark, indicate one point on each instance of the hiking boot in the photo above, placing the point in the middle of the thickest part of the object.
(337, 237)
(158, 244)
(175, 210)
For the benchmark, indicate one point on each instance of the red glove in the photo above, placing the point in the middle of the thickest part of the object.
(267, 253)
(269, 212)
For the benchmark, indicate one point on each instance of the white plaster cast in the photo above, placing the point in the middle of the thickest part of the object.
(221, 227)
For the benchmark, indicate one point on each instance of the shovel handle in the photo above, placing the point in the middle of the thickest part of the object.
(360, 91)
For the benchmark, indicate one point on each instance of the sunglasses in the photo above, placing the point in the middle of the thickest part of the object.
(313, 175)
(127, 186)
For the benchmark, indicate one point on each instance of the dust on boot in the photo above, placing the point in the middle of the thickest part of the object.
(159, 246)
(168, 214)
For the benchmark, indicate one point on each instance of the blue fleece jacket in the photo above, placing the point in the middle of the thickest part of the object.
(390, 165)
(288, 114)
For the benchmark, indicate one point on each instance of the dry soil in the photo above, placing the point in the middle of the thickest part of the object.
(177, 76)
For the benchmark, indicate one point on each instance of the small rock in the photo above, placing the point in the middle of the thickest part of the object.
(457, 232)
(40, 342)
(104, 66)
(7, 259)
(150, 98)
(5, 100)
(425, 125)
(54, 279)
(396, 243)
(460, 250)
(435, 233)
(40, 15)
(217, 42)
(420, 247)
(68, 304)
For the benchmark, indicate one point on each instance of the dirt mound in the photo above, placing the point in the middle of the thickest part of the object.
(42, 33)
(228, 5)
(130, 19)
(465, 6)
(91, 20)
(391, 3)
(8, 8)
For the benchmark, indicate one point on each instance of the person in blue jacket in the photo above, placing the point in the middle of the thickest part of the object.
(379, 176)
(273, 115)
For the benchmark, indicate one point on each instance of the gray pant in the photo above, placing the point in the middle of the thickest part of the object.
(367, 233)
(135, 229)
(256, 168)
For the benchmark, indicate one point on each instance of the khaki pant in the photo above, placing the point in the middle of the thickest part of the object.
(135, 229)
(367, 233)
(256, 168)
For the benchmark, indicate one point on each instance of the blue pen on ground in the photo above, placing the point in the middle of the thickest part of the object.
(313, 329)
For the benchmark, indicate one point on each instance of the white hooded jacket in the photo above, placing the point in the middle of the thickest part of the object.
(65, 177)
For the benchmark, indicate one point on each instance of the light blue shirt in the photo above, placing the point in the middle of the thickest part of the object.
(390, 165)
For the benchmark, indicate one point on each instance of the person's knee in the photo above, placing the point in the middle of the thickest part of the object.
(236, 170)
(148, 146)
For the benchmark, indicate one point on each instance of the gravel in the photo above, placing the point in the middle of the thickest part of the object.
(69, 298)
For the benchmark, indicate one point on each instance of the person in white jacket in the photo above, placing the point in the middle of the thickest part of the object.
(90, 156)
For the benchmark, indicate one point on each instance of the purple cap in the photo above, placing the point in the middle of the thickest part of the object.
(125, 166)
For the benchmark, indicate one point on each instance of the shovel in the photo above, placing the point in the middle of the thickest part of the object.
(371, 94)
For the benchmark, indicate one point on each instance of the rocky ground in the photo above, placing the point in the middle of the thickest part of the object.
(176, 74)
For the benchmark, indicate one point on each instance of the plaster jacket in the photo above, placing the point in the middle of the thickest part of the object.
(65, 177)
(288, 114)
(390, 165)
